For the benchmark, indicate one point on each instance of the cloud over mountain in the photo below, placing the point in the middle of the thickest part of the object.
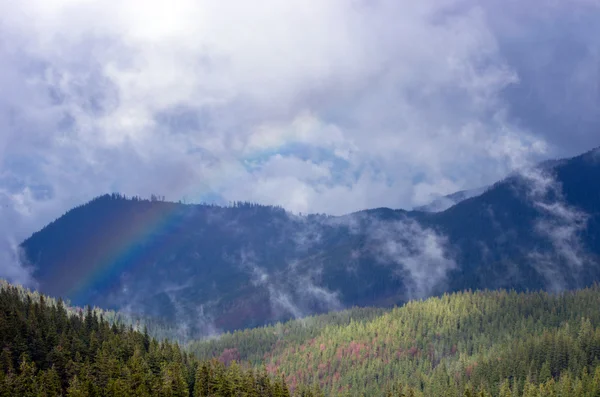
(319, 107)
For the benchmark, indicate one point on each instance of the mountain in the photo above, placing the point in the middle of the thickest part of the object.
(493, 343)
(444, 202)
(214, 269)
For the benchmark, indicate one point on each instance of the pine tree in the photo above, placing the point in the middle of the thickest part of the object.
(6, 384)
(76, 388)
(505, 389)
(202, 383)
(49, 383)
(25, 384)
(173, 383)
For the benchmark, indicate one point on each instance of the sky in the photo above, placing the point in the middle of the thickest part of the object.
(317, 106)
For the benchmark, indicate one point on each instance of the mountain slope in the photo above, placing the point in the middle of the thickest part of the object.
(537, 229)
(485, 343)
(213, 268)
(47, 351)
(497, 343)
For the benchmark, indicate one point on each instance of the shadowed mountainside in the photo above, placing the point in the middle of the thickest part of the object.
(212, 268)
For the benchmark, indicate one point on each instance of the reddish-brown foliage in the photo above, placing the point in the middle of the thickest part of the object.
(229, 355)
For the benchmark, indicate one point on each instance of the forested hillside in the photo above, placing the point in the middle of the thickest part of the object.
(465, 344)
(251, 345)
(471, 343)
(47, 350)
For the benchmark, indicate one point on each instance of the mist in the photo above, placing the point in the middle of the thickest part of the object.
(560, 224)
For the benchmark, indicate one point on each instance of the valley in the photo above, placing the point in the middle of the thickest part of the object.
(300, 198)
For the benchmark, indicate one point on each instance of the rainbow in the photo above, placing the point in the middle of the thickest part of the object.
(121, 251)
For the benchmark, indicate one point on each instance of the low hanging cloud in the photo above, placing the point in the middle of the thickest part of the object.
(420, 255)
(560, 224)
(16, 218)
(291, 291)
(193, 322)
(189, 321)
(13, 267)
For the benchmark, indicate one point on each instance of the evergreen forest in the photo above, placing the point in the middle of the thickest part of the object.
(482, 343)
(489, 343)
(49, 350)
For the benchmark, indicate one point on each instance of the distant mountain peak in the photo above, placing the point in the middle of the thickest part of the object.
(444, 202)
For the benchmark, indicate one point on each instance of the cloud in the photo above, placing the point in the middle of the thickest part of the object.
(421, 256)
(16, 219)
(560, 224)
(558, 94)
(319, 107)
(13, 268)
(187, 321)
(193, 322)
(292, 291)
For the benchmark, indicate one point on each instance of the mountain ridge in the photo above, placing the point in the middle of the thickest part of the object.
(447, 201)
(224, 268)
